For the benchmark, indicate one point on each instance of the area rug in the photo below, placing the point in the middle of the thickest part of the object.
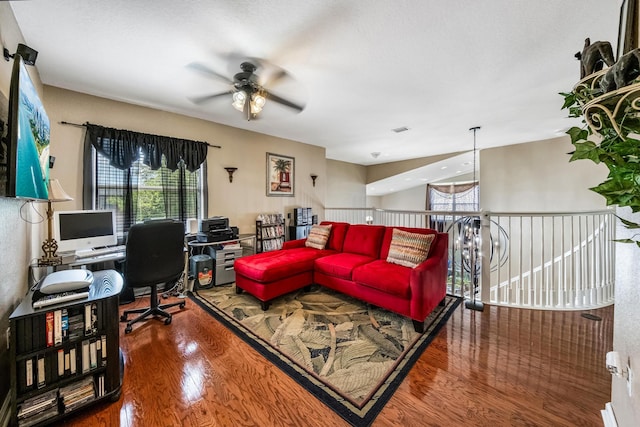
(350, 355)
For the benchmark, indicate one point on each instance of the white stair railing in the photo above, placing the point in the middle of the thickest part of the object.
(559, 261)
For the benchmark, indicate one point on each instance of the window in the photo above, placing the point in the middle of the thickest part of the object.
(143, 176)
(451, 198)
(155, 194)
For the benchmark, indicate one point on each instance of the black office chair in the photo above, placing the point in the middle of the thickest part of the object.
(155, 255)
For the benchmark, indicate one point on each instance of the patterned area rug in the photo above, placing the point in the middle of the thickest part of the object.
(350, 355)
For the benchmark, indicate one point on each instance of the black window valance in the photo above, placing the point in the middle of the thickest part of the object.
(122, 148)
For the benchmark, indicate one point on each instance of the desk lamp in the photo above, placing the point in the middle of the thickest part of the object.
(50, 246)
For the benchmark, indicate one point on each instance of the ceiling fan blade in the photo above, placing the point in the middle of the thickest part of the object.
(206, 98)
(275, 98)
(208, 71)
(276, 76)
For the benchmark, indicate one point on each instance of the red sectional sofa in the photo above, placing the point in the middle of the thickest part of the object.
(354, 262)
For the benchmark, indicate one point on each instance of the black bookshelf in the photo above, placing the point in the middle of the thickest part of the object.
(269, 232)
(65, 357)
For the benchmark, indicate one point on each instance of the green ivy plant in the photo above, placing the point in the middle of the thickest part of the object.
(620, 153)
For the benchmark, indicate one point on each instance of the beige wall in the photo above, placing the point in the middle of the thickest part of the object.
(537, 177)
(413, 199)
(534, 177)
(374, 202)
(386, 170)
(347, 184)
(241, 200)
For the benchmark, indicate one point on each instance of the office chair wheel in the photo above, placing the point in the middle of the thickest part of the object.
(128, 329)
(123, 318)
(167, 321)
(182, 305)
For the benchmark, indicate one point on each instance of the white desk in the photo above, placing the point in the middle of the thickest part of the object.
(37, 272)
(116, 256)
(241, 238)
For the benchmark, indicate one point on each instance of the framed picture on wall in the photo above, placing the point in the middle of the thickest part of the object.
(280, 175)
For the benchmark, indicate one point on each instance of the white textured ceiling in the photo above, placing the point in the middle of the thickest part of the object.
(361, 67)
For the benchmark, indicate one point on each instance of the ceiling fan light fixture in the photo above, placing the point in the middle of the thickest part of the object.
(239, 99)
(257, 102)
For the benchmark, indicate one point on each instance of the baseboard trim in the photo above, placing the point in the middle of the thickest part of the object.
(608, 417)
(5, 411)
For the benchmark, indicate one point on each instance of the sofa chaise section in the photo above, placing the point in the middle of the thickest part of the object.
(268, 275)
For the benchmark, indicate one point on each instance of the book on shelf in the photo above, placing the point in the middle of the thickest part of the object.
(77, 393)
(38, 409)
(100, 389)
(61, 363)
(41, 371)
(67, 362)
(73, 361)
(93, 354)
(101, 347)
(76, 326)
(49, 326)
(38, 417)
(90, 318)
(28, 373)
(38, 403)
(64, 324)
(57, 327)
(86, 367)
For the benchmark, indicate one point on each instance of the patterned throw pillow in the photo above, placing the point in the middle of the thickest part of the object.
(409, 249)
(318, 236)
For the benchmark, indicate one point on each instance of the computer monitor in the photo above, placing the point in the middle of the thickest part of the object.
(84, 230)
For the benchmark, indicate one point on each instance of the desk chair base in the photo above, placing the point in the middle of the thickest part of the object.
(154, 310)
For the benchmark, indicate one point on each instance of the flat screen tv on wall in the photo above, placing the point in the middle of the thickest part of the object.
(27, 142)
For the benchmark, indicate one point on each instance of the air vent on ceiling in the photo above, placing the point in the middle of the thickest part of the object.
(400, 129)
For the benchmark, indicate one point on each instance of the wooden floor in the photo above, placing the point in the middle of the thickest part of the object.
(501, 367)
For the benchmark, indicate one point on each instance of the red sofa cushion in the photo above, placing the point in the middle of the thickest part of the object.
(340, 265)
(388, 235)
(383, 276)
(364, 240)
(336, 237)
(275, 265)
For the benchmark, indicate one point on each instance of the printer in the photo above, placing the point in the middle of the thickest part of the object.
(215, 229)
(215, 223)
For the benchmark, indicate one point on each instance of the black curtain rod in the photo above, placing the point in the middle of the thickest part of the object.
(81, 126)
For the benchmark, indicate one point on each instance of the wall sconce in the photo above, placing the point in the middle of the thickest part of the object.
(28, 54)
(313, 179)
(231, 170)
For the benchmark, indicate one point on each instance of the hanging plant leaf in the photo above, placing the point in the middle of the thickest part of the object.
(628, 224)
(577, 134)
(586, 150)
(616, 150)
